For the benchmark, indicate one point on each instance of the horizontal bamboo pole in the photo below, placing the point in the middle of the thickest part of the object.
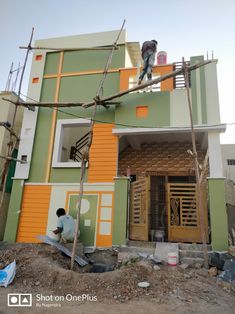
(54, 104)
(14, 159)
(67, 49)
(149, 83)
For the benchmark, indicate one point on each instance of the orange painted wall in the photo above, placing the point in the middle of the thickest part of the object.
(103, 154)
(166, 85)
(34, 213)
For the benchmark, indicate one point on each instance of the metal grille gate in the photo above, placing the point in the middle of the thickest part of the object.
(183, 214)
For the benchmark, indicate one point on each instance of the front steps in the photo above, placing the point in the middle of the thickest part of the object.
(191, 254)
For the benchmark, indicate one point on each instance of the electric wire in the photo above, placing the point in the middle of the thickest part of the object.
(124, 124)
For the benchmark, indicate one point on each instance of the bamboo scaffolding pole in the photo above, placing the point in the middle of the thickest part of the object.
(14, 159)
(85, 155)
(9, 130)
(68, 49)
(148, 83)
(53, 104)
(200, 204)
(11, 144)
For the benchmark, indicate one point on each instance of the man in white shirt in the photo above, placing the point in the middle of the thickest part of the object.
(65, 226)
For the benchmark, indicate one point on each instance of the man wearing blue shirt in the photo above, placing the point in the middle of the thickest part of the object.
(65, 226)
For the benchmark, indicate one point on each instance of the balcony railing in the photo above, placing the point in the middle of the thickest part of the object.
(179, 81)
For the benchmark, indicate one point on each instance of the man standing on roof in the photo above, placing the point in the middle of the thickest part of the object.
(148, 51)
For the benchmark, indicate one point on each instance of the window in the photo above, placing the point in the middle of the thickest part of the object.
(142, 111)
(231, 162)
(70, 138)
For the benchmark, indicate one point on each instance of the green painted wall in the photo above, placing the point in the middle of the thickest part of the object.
(203, 95)
(11, 172)
(87, 235)
(120, 211)
(159, 109)
(194, 89)
(14, 211)
(84, 88)
(66, 175)
(52, 63)
(41, 145)
(218, 215)
(79, 61)
(72, 89)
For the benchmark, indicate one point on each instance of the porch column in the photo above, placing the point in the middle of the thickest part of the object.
(217, 202)
(14, 211)
(120, 210)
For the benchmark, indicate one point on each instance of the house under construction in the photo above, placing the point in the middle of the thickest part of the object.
(140, 180)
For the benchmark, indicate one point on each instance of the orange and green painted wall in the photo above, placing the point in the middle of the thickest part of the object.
(73, 76)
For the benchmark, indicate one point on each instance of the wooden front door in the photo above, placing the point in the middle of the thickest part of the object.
(183, 214)
(139, 209)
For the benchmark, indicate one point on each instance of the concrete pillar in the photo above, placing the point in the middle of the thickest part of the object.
(120, 210)
(218, 214)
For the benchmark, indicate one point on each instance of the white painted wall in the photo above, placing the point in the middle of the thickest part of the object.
(179, 112)
(215, 156)
(212, 94)
(228, 152)
(58, 198)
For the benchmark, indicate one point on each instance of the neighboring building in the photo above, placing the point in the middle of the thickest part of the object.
(228, 156)
(7, 110)
(146, 136)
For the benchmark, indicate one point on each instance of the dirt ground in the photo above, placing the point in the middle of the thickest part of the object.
(43, 272)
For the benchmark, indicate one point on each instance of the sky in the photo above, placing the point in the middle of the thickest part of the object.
(183, 28)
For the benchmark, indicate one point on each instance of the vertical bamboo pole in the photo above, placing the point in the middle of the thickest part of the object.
(11, 145)
(196, 167)
(85, 154)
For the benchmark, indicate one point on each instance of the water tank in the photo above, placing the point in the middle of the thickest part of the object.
(162, 57)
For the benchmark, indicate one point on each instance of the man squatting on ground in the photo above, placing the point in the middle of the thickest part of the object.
(65, 226)
(148, 51)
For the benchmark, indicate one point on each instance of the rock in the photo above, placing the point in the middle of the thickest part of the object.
(213, 271)
(217, 259)
(198, 265)
(125, 257)
(231, 251)
(100, 268)
(184, 266)
(228, 273)
(187, 276)
(37, 283)
(144, 263)
(24, 282)
(155, 267)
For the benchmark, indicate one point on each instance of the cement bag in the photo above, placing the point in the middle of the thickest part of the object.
(7, 274)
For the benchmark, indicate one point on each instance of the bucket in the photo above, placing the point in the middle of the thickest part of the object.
(172, 259)
(159, 236)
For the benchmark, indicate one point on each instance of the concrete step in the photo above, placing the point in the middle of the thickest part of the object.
(191, 260)
(193, 247)
(136, 249)
(193, 254)
(145, 244)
